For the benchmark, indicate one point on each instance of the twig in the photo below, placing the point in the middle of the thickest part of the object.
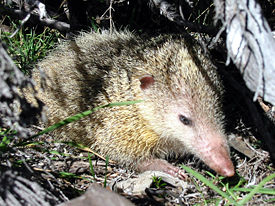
(86, 149)
(19, 14)
(20, 26)
(110, 16)
(110, 8)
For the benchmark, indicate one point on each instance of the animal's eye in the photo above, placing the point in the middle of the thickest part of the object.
(185, 120)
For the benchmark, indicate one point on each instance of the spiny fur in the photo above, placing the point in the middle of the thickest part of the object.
(97, 69)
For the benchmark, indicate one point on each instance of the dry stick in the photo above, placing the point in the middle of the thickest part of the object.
(86, 149)
(110, 15)
(22, 23)
(207, 9)
(19, 14)
(110, 8)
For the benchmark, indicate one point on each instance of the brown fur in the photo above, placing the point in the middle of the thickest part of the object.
(98, 69)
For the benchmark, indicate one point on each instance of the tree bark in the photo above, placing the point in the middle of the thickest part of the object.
(250, 44)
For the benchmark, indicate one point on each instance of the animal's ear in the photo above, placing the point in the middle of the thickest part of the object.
(146, 81)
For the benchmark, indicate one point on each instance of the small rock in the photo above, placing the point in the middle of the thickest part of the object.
(137, 186)
(98, 196)
(79, 167)
(238, 144)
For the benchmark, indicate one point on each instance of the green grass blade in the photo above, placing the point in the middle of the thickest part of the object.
(69, 175)
(261, 191)
(81, 115)
(106, 170)
(257, 189)
(209, 184)
(91, 165)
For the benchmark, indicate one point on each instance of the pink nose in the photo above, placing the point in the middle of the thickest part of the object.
(220, 161)
(226, 169)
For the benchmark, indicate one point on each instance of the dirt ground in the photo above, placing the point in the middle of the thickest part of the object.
(64, 172)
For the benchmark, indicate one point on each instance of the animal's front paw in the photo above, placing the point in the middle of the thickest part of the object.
(161, 165)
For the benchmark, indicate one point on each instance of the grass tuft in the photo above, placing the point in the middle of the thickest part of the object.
(27, 46)
(232, 194)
